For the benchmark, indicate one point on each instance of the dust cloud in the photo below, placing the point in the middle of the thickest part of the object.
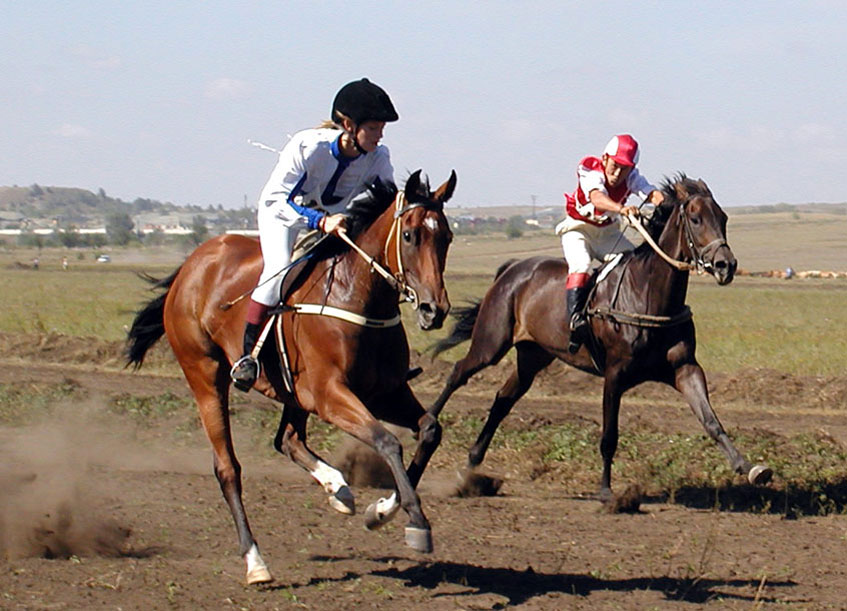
(55, 499)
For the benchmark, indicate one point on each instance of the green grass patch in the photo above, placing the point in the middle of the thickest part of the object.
(27, 403)
(686, 469)
(150, 407)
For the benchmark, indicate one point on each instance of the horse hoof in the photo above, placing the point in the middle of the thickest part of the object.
(343, 501)
(257, 570)
(377, 516)
(260, 574)
(419, 539)
(605, 496)
(760, 475)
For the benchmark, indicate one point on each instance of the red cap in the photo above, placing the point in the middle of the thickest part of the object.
(623, 149)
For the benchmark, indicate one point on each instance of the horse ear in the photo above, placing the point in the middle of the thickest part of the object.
(413, 186)
(445, 191)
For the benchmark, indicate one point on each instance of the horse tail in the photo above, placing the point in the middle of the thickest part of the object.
(148, 325)
(462, 329)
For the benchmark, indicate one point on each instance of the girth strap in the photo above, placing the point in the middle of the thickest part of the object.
(356, 319)
(642, 320)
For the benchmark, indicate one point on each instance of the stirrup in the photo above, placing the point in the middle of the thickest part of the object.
(244, 372)
(578, 327)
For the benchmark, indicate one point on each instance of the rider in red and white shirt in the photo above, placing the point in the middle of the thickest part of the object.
(590, 230)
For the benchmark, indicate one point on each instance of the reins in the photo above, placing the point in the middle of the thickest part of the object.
(398, 282)
(697, 264)
(680, 265)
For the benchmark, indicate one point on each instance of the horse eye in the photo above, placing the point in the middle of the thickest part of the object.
(695, 220)
(407, 236)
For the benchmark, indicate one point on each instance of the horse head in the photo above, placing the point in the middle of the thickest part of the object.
(696, 225)
(423, 237)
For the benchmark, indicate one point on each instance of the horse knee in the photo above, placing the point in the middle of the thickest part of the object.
(386, 444)
(430, 431)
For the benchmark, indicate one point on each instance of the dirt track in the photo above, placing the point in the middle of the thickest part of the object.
(143, 518)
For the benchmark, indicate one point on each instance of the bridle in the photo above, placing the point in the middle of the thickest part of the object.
(697, 260)
(398, 280)
(699, 254)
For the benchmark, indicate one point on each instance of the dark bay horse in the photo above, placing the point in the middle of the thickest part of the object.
(348, 367)
(642, 329)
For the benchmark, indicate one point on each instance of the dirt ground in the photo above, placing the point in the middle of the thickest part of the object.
(98, 513)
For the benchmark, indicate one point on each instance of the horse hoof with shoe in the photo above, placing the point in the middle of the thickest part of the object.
(419, 539)
(343, 501)
(380, 513)
(760, 475)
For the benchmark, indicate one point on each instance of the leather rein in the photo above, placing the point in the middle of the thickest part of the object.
(396, 281)
(697, 263)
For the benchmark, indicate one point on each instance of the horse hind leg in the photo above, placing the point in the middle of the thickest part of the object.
(531, 359)
(209, 381)
(291, 440)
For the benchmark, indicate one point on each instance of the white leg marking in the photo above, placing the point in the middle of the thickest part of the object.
(257, 570)
(387, 507)
(341, 497)
(331, 479)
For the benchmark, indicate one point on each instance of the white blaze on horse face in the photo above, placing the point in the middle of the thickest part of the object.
(331, 479)
(431, 224)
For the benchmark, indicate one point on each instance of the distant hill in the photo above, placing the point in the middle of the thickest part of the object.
(38, 205)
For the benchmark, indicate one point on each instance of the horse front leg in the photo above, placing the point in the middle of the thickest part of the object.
(609, 436)
(403, 409)
(339, 406)
(290, 440)
(691, 382)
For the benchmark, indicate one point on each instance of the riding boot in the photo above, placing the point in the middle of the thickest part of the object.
(246, 369)
(576, 316)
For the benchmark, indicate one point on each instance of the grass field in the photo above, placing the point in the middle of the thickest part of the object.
(795, 326)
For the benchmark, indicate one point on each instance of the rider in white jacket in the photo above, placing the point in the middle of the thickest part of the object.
(319, 171)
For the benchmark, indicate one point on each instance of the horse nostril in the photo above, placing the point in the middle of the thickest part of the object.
(426, 308)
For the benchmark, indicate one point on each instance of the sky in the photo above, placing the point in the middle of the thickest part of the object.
(159, 99)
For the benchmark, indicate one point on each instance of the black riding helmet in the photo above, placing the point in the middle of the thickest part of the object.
(363, 101)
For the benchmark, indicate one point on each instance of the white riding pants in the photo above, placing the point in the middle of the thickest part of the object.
(583, 242)
(279, 228)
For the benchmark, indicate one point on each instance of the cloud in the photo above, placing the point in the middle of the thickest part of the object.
(95, 59)
(69, 130)
(227, 89)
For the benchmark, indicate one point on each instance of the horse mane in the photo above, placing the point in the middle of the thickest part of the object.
(361, 212)
(366, 207)
(676, 190)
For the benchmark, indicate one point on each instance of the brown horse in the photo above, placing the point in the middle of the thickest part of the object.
(642, 329)
(349, 367)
